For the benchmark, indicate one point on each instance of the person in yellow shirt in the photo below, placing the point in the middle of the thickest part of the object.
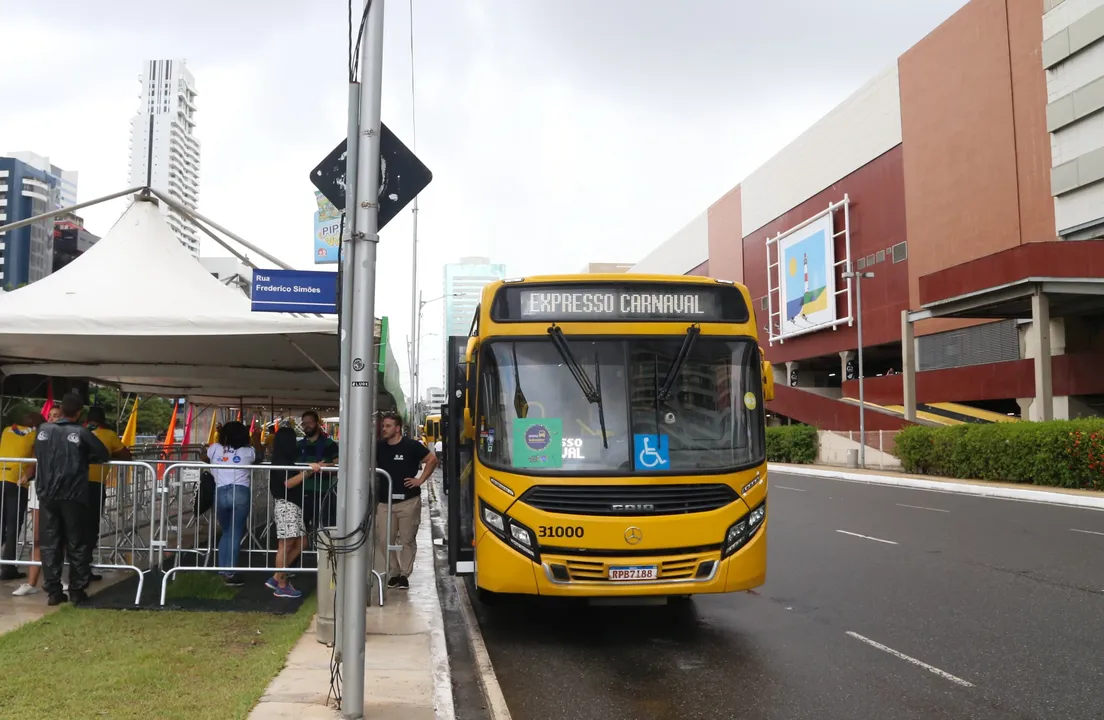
(99, 474)
(16, 442)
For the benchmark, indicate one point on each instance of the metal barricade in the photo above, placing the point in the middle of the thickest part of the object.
(381, 576)
(194, 522)
(124, 512)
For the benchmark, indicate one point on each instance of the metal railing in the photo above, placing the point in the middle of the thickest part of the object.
(122, 514)
(145, 517)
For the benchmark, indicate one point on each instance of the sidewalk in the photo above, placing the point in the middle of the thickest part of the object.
(406, 670)
(16, 611)
(1012, 491)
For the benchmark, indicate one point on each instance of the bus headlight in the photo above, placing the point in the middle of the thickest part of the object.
(493, 519)
(521, 535)
(744, 529)
(518, 536)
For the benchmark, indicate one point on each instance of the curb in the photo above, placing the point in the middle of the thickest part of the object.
(959, 488)
(488, 681)
(443, 706)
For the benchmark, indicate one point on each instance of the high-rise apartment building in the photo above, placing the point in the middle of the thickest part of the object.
(168, 108)
(464, 281)
(435, 397)
(26, 253)
(64, 181)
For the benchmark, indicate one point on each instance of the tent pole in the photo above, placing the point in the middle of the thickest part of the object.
(63, 211)
(312, 361)
(207, 231)
(196, 217)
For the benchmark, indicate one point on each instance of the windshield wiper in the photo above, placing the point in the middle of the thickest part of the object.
(592, 391)
(692, 333)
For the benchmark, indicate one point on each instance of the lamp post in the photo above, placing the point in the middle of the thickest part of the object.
(858, 277)
(416, 355)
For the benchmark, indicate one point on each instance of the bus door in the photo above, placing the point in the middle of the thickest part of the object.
(459, 463)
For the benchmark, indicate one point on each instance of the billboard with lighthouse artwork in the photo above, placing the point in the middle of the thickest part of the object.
(807, 278)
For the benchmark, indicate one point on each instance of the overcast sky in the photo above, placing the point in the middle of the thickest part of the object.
(559, 132)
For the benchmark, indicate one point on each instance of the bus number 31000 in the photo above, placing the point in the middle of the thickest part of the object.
(560, 531)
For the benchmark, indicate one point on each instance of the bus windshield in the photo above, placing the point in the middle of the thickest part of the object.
(534, 414)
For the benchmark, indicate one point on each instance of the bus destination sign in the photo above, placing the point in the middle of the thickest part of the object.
(629, 301)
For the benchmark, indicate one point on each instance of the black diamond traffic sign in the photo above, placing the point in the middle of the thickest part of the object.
(402, 176)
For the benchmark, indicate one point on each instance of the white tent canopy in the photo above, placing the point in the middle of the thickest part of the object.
(136, 310)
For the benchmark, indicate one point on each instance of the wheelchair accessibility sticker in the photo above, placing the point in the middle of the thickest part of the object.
(651, 452)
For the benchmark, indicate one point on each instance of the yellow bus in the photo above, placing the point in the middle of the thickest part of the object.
(431, 431)
(605, 439)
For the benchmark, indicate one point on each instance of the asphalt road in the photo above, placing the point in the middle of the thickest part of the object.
(880, 602)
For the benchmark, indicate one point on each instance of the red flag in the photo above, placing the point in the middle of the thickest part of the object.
(253, 426)
(188, 426)
(49, 404)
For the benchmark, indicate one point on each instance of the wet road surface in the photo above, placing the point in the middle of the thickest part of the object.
(880, 602)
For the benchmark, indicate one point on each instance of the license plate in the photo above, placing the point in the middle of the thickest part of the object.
(640, 572)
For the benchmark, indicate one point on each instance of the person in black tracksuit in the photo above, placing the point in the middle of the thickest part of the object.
(64, 450)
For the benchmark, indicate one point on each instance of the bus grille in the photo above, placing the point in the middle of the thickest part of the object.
(628, 500)
(682, 568)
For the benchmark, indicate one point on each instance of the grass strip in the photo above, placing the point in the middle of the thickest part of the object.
(139, 664)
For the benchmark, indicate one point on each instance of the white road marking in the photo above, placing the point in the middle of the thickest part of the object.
(930, 668)
(784, 487)
(1087, 532)
(921, 507)
(867, 537)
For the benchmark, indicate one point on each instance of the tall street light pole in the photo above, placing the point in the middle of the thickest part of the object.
(858, 277)
(416, 356)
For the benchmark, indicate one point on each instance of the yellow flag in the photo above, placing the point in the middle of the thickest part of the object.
(131, 432)
(212, 434)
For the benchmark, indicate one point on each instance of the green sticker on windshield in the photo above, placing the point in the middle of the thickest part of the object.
(538, 443)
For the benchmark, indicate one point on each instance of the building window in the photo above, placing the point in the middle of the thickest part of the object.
(900, 252)
(880, 257)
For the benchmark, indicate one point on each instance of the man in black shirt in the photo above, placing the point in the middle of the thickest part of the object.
(64, 450)
(401, 457)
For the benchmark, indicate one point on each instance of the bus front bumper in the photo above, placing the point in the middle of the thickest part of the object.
(503, 569)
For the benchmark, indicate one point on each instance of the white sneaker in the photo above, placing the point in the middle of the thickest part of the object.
(25, 589)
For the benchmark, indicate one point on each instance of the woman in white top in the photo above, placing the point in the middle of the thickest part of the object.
(231, 455)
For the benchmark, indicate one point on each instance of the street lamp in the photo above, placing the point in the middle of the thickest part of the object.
(416, 352)
(858, 277)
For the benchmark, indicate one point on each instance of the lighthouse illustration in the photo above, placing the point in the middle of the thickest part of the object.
(805, 264)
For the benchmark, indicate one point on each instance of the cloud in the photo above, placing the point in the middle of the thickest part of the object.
(558, 133)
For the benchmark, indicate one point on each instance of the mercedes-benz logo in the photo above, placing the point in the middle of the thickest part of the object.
(634, 535)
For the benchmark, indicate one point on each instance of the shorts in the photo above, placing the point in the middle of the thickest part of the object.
(32, 497)
(289, 520)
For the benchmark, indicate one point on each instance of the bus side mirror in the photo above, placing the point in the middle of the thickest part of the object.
(768, 382)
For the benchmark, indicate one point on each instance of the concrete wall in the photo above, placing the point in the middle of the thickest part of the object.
(681, 253)
(1073, 55)
(859, 129)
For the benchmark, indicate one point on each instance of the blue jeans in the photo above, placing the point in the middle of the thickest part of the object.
(232, 511)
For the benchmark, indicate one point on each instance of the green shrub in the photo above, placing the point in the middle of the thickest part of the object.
(796, 444)
(1061, 453)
